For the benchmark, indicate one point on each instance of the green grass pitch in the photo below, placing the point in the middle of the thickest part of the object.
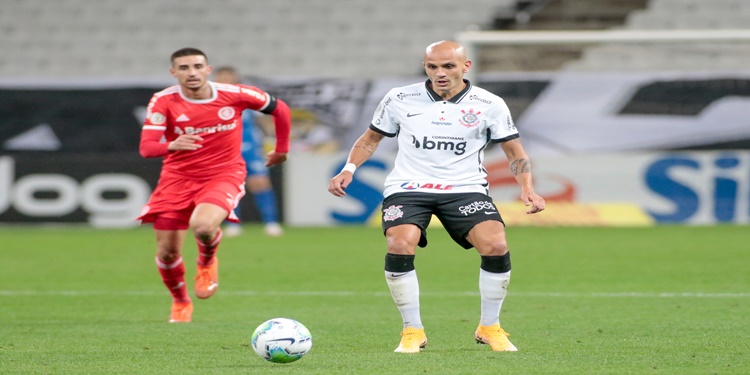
(663, 300)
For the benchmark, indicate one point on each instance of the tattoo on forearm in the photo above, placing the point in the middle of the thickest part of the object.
(367, 148)
(368, 142)
(519, 166)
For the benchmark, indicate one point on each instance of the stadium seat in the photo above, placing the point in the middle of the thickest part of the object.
(675, 15)
(271, 38)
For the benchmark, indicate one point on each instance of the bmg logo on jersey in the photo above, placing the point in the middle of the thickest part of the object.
(477, 206)
(441, 144)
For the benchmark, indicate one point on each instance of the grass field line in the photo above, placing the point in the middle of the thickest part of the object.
(332, 293)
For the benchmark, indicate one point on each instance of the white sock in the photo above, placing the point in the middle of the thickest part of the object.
(492, 288)
(404, 288)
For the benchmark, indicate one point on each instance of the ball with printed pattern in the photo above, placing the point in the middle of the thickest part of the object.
(281, 340)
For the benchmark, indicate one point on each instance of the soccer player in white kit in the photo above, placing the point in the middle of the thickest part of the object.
(442, 128)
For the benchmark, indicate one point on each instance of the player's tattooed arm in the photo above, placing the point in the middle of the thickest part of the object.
(519, 161)
(519, 166)
(362, 149)
(369, 142)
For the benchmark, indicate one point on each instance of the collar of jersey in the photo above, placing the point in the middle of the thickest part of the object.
(214, 94)
(455, 99)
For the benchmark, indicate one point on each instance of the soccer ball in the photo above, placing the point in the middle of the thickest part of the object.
(281, 340)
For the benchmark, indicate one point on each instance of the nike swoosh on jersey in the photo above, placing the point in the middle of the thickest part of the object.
(490, 212)
(412, 114)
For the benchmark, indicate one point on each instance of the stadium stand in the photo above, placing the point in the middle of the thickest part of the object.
(675, 15)
(631, 15)
(112, 38)
(566, 14)
(358, 38)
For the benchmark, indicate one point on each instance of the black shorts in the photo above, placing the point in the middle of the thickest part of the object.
(458, 212)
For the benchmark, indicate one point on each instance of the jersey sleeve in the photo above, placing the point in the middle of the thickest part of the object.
(256, 99)
(383, 119)
(282, 122)
(154, 126)
(502, 128)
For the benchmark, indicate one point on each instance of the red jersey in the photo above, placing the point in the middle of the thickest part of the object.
(218, 120)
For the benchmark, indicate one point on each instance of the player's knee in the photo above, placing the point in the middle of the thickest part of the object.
(400, 246)
(168, 254)
(205, 232)
(168, 248)
(493, 248)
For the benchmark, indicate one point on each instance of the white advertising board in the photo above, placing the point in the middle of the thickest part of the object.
(613, 189)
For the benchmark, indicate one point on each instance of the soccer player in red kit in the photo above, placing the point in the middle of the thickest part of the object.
(196, 126)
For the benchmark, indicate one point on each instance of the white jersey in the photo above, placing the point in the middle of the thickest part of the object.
(441, 142)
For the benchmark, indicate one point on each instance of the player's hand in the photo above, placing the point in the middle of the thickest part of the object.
(339, 183)
(536, 202)
(185, 142)
(275, 158)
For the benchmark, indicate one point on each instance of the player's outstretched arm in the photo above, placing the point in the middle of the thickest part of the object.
(362, 150)
(282, 122)
(520, 166)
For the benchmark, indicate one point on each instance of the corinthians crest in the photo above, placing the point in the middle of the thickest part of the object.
(392, 213)
(469, 119)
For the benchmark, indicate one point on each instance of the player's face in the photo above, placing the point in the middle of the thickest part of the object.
(191, 71)
(445, 66)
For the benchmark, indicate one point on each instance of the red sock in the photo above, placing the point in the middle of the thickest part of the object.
(206, 251)
(173, 276)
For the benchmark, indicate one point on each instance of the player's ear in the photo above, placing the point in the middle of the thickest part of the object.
(172, 72)
(467, 66)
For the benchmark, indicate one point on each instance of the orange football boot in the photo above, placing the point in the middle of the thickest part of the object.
(207, 280)
(182, 312)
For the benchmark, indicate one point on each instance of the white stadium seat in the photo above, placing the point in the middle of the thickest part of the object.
(354, 38)
(271, 38)
(675, 15)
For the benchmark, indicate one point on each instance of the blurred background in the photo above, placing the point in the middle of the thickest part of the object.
(634, 112)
